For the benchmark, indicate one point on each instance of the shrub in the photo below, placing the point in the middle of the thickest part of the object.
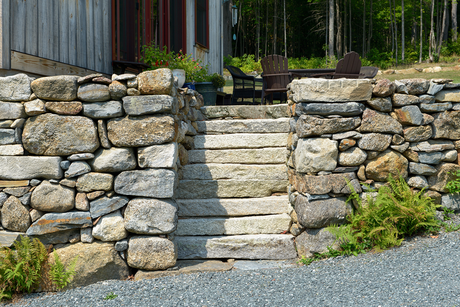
(24, 266)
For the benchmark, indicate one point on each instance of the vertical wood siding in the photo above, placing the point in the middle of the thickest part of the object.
(75, 32)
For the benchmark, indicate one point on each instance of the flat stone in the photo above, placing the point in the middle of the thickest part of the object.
(103, 136)
(381, 104)
(409, 115)
(156, 183)
(55, 88)
(96, 262)
(102, 80)
(388, 162)
(14, 216)
(18, 192)
(242, 156)
(186, 267)
(77, 168)
(156, 82)
(437, 157)
(309, 125)
(29, 167)
(416, 86)
(352, 157)
(447, 125)
(15, 88)
(6, 123)
(81, 157)
(88, 78)
(92, 92)
(383, 88)
(321, 213)
(151, 253)
(110, 227)
(336, 90)
(280, 125)
(320, 185)
(141, 130)
(235, 141)
(435, 88)
(54, 222)
(373, 121)
(233, 207)
(8, 238)
(150, 104)
(448, 95)
(400, 148)
(106, 109)
(324, 109)
(7, 137)
(105, 205)
(58, 237)
(400, 100)
(117, 90)
(417, 134)
(13, 183)
(95, 182)
(346, 135)
(229, 188)
(64, 107)
(34, 107)
(11, 150)
(151, 216)
(233, 171)
(158, 156)
(113, 160)
(54, 135)
(315, 241)
(374, 142)
(435, 107)
(95, 194)
(432, 145)
(265, 246)
(451, 202)
(233, 226)
(53, 198)
(124, 77)
(11, 110)
(248, 112)
(81, 202)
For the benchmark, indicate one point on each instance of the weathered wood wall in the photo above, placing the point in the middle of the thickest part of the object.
(74, 32)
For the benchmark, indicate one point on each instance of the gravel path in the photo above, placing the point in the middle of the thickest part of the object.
(424, 271)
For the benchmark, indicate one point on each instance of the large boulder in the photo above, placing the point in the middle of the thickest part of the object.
(315, 155)
(55, 88)
(97, 261)
(56, 135)
(151, 216)
(141, 130)
(388, 162)
(151, 253)
(52, 198)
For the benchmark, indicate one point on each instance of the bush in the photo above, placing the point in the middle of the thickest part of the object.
(397, 211)
(23, 267)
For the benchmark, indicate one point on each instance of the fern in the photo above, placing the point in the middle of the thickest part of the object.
(59, 274)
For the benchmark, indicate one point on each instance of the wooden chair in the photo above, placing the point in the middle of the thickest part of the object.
(349, 67)
(244, 86)
(369, 72)
(276, 76)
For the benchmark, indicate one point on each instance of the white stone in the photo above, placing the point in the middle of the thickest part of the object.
(29, 167)
(245, 126)
(158, 156)
(352, 157)
(315, 155)
(234, 141)
(110, 227)
(11, 150)
(234, 171)
(242, 156)
(34, 107)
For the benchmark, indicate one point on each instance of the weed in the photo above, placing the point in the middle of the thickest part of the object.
(59, 274)
(453, 185)
(450, 227)
(110, 296)
(447, 212)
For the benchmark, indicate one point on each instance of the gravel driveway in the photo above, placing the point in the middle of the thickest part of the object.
(424, 271)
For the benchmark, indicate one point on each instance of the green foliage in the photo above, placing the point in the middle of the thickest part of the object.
(59, 274)
(217, 80)
(110, 296)
(447, 212)
(453, 186)
(450, 227)
(24, 266)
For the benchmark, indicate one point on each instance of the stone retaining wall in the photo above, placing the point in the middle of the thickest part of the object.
(361, 131)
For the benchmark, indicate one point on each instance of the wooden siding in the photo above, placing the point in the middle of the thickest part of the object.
(74, 32)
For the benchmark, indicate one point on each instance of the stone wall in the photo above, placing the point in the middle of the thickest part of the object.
(361, 131)
(95, 160)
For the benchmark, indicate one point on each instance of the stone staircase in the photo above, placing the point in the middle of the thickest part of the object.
(232, 196)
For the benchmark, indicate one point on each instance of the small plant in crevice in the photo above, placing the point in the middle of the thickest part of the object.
(110, 296)
(449, 227)
(397, 211)
(453, 185)
(446, 213)
(25, 266)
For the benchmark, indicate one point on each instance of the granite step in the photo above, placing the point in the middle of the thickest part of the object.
(240, 140)
(241, 156)
(249, 112)
(213, 171)
(245, 126)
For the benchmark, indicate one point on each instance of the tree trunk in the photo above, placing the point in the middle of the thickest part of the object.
(331, 28)
(392, 30)
(421, 32)
(454, 20)
(339, 29)
(349, 23)
(396, 31)
(345, 50)
(370, 29)
(432, 45)
(275, 29)
(285, 44)
(446, 33)
(402, 31)
(364, 27)
(266, 31)
(444, 24)
(413, 37)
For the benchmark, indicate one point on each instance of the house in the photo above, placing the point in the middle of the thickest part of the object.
(55, 37)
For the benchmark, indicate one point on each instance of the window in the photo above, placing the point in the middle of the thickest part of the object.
(201, 22)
